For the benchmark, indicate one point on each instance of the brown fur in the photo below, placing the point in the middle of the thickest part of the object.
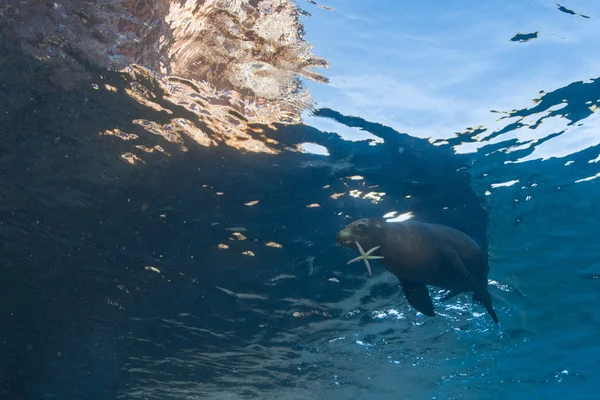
(421, 254)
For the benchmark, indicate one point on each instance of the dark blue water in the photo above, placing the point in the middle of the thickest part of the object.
(158, 267)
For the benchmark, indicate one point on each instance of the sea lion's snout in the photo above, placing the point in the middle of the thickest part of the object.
(344, 237)
(357, 231)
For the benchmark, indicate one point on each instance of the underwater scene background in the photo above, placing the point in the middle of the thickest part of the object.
(173, 174)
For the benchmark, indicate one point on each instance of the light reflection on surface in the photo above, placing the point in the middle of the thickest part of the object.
(231, 64)
(402, 217)
(471, 86)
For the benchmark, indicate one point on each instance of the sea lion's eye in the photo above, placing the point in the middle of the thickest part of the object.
(361, 226)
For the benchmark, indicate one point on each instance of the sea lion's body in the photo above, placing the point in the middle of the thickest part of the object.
(421, 254)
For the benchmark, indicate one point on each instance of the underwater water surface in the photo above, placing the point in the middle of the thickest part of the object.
(173, 175)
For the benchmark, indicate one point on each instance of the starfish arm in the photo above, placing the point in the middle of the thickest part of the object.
(374, 257)
(355, 259)
(362, 252)
(372, 250)
(368, 266)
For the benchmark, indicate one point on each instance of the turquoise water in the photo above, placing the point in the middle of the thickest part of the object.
(141, 262)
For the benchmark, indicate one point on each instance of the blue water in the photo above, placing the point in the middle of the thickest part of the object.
(210, 272)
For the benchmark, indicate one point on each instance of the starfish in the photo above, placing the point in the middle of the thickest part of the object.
(365, 256)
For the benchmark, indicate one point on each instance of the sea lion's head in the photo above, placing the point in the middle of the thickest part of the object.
(369, 232)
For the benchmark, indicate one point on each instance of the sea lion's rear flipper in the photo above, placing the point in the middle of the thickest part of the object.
(480, 292)
(449, 295)
(486, 299)
(417, 296)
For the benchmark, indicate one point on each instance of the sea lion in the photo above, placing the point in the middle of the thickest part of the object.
(421, 254)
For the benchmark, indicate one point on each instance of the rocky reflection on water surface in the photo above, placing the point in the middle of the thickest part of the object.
(231, 64)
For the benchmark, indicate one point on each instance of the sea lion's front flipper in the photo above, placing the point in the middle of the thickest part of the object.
(480, 292)
(417, 296)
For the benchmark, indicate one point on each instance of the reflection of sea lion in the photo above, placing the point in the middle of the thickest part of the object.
(422, 254)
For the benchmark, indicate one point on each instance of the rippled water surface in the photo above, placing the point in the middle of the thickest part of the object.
(173, 175)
